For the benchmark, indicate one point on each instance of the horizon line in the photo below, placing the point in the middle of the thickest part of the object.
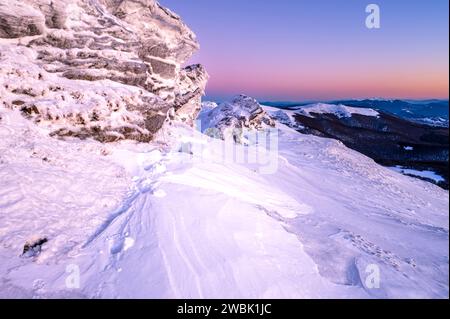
(228, 97)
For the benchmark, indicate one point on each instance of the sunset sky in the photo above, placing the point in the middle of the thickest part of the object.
(320, 50)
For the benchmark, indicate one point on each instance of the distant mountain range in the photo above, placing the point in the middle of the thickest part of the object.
(432, 112)
(410, 135)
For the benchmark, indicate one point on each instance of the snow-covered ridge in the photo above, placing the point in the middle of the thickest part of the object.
(339, 110)
(286, 117)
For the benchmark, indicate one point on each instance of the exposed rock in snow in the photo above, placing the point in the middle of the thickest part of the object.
(101, 68)
(192, 82)
(230, 120)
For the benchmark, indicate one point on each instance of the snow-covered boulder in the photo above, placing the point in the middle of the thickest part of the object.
(230, 120)
(108, 69)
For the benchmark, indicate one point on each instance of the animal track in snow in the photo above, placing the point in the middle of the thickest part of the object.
(372, 249)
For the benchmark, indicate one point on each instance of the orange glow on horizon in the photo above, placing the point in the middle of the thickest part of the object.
(421, 83)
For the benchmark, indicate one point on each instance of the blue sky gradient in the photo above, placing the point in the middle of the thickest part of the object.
(320, 50)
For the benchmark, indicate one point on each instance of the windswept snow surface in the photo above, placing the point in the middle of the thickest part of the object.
(182, 220)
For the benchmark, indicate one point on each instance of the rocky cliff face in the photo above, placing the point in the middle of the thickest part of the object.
(108, 69)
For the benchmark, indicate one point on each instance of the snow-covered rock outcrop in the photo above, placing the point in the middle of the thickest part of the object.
(230, 120)
(108, 69)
